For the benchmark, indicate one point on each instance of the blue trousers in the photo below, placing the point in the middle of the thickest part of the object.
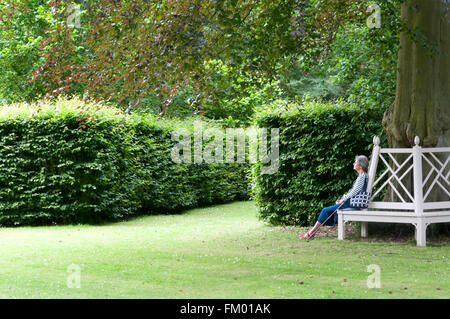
(326, 212)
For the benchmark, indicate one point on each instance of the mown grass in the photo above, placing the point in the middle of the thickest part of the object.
(217, 252)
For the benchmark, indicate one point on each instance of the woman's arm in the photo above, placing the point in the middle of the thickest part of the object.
(357, 187)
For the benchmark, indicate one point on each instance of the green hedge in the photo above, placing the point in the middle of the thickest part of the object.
(318, 144)
(168, 186)
(68, 162)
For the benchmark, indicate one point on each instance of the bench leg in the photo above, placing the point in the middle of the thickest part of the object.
(421, 234)
(341, 227)
(364, 229)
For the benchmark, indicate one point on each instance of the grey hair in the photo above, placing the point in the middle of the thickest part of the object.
(362, 161)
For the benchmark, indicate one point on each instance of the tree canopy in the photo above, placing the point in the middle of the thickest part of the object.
(125, 50)
(136, 52)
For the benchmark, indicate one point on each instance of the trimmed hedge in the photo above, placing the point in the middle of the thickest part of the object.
(69, 162)
(168, 186)
(318, 144)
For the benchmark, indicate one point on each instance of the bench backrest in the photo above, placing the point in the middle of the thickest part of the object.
(401, 163)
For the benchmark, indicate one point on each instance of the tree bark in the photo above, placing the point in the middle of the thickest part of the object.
(422, 104)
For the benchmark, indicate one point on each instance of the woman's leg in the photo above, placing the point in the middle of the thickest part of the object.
(312, 230)
(324, 214)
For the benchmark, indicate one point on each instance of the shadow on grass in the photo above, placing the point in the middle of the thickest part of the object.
(385, 233)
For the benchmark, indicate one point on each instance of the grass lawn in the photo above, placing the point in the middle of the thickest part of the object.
(222, 251)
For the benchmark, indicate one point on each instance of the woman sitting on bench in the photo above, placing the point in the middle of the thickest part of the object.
(360, 165)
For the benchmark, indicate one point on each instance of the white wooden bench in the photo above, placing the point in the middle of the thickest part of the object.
(416, 208)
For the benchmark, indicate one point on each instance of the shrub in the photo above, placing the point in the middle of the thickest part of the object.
(59, 165)
(72, 162)
(318, 143)
(361, 66)
(236, 94)
(166, 186)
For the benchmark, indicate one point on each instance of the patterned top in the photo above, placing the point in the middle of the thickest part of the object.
(357, 188)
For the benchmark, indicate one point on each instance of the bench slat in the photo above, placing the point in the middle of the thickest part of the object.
(363, 212)
(395, 150)
(380, 219)
(391, 205)
(436, 205)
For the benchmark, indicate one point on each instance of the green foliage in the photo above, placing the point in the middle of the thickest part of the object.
(127, 53)
(318, 143)
(153, 56)
(236, 94)
(235, 97)
(297, 83)
(30, 30)
(180, 106)
(21, 32)
(166, 186)
(71, 162)
(366, 69)
(360, 65)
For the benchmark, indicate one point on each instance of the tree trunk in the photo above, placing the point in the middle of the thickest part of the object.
(422, 101)
(422, 104)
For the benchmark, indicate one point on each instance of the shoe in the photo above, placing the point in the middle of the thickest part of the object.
(305, 236)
